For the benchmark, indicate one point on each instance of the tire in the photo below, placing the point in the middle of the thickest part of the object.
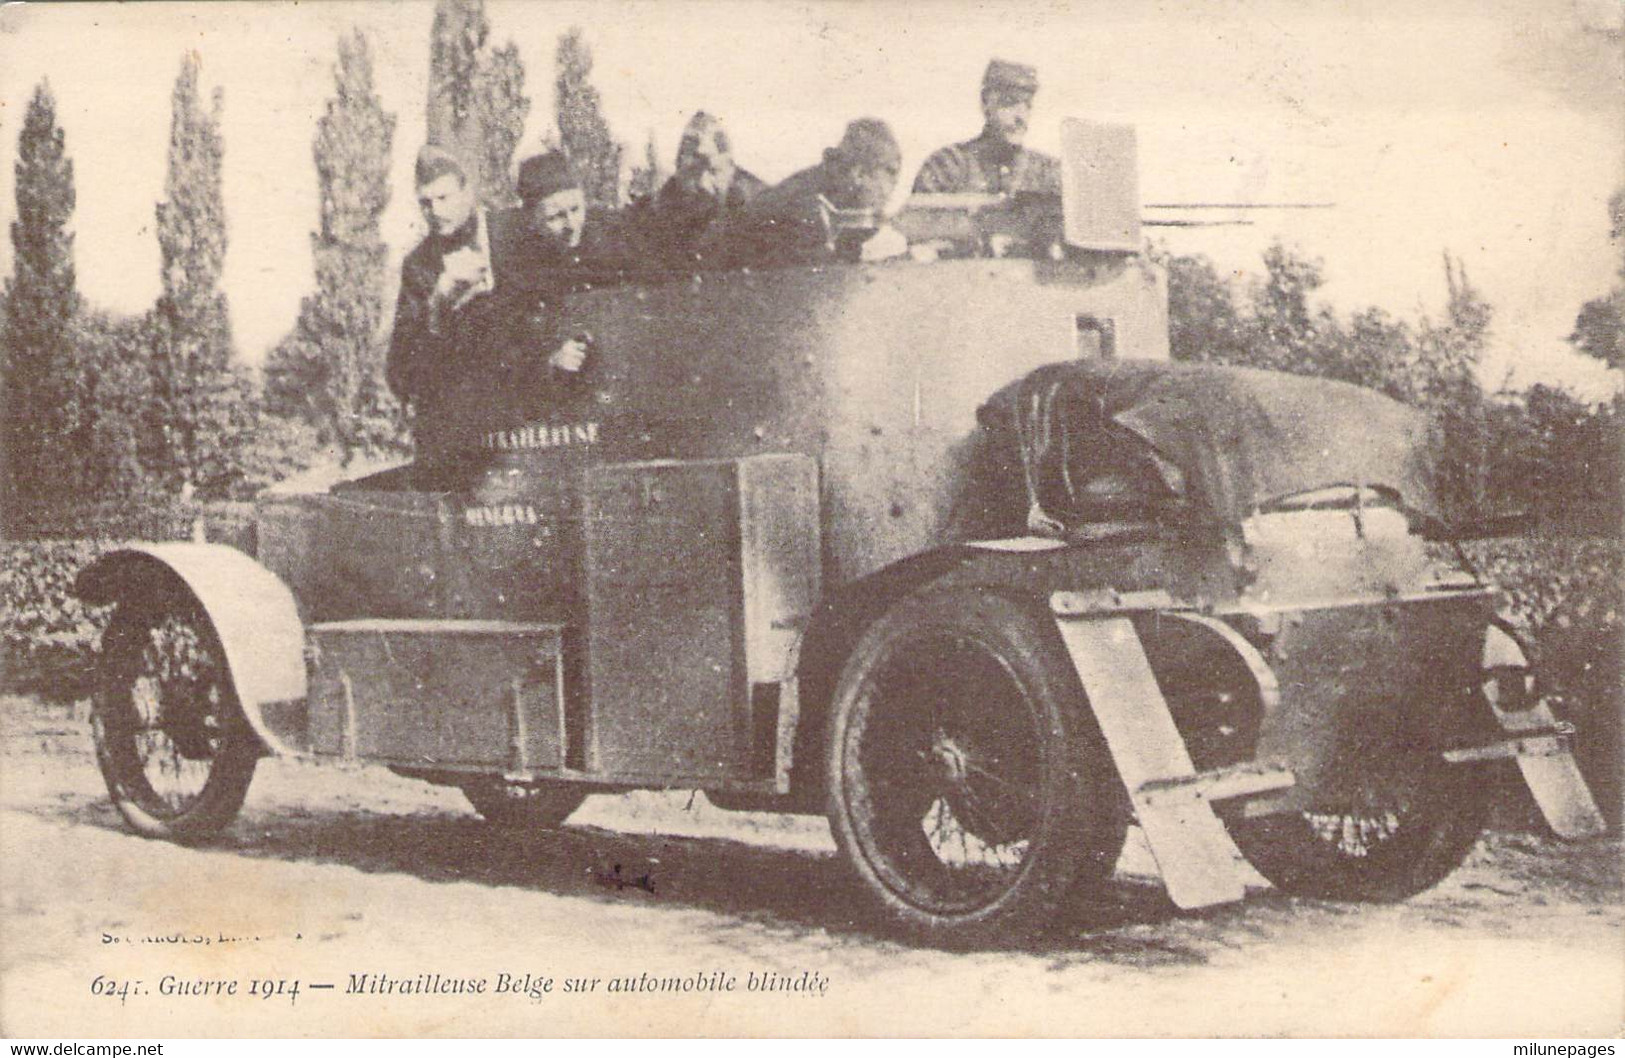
(171, 740)
(1399, 830)
(518, 807)
(1390, 823)
(969, 789)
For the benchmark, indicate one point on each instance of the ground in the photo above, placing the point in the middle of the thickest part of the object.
(333, 872)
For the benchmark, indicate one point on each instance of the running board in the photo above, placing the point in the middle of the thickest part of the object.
(1240, 780)
(1172, 801)
(1532, 744)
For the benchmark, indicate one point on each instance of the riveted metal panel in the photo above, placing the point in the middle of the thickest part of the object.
(1367, 679)
(428, 693)
(699, 577)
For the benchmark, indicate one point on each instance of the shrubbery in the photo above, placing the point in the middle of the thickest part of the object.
(49, 637)
(1567, 597)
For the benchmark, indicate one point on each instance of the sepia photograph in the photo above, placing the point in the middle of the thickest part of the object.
(804, 518)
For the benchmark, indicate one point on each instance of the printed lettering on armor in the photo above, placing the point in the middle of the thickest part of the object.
(543, 435)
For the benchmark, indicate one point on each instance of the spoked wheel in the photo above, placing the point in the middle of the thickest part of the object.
(1390, 820)
(1393, 828)
(516, 806)
(969, 787)
(171, 740)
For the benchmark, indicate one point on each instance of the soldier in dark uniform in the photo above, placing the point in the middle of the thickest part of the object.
(830, 212)
(707, 187)
(995, 163)
(572, 243)
(451, 329)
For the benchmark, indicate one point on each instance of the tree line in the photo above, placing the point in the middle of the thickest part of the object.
(1538, 452)
(100, 405)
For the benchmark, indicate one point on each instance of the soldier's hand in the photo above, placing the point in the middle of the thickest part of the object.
(459, 269)
(570, 356)
(884, 244)
(999, 244)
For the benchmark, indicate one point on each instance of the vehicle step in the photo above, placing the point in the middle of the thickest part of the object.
(1548, 742)
(1221, 784)
(435, 627)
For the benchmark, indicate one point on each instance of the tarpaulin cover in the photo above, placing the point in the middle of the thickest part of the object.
(1237, 437)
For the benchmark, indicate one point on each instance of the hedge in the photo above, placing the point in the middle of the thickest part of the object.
(48, 637)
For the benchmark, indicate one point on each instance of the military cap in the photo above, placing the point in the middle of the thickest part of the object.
(1005, 76)
(870, 143)
(701, 125)
(434, 162)
(541, 175)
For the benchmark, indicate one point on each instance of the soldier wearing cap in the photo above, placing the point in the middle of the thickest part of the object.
(708, 187)
(447, 320)
(574, 241)
(562, 249)
(466, 354)
(995, 163)
(832, 211)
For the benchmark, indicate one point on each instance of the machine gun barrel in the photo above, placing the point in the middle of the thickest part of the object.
(1240, 205)
(1152, 222)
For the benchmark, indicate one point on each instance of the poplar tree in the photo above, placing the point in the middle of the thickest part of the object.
(645, 180)
(38, 398)
(477, 104)
(1599, 329)
(200, 405)
(1449, 356)
(582, 127)
(329, 370)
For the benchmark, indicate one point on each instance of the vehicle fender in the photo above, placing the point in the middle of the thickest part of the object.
(1266, 686)
(253, 614)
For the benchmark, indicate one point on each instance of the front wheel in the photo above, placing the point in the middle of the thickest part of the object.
(1388, 819)
(171, 740)
(969, 787)
(1397, 828)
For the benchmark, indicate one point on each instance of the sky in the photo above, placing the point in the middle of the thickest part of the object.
(1494, 130)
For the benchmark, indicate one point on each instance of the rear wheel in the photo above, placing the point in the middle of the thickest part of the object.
(969, 787)
(171, 740)
(517, 806)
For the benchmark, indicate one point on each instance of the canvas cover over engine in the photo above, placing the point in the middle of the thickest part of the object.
(1222, 442)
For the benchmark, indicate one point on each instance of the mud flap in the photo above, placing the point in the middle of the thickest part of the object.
(1547, 764)
(1199, 863)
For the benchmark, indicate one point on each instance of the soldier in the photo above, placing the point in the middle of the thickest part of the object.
(576, 243)
(707, 187)
(830, 212)
(445, 317)
(995, 163)
(559, 251)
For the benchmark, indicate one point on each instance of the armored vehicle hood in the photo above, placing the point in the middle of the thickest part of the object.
(1226, 440)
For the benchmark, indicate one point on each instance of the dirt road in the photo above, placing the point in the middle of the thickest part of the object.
(355, 878)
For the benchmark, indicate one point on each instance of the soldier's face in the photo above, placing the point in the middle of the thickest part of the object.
(562, 217)
(446, 203)
(867, 186)
(704, 164)
(1007, 114)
